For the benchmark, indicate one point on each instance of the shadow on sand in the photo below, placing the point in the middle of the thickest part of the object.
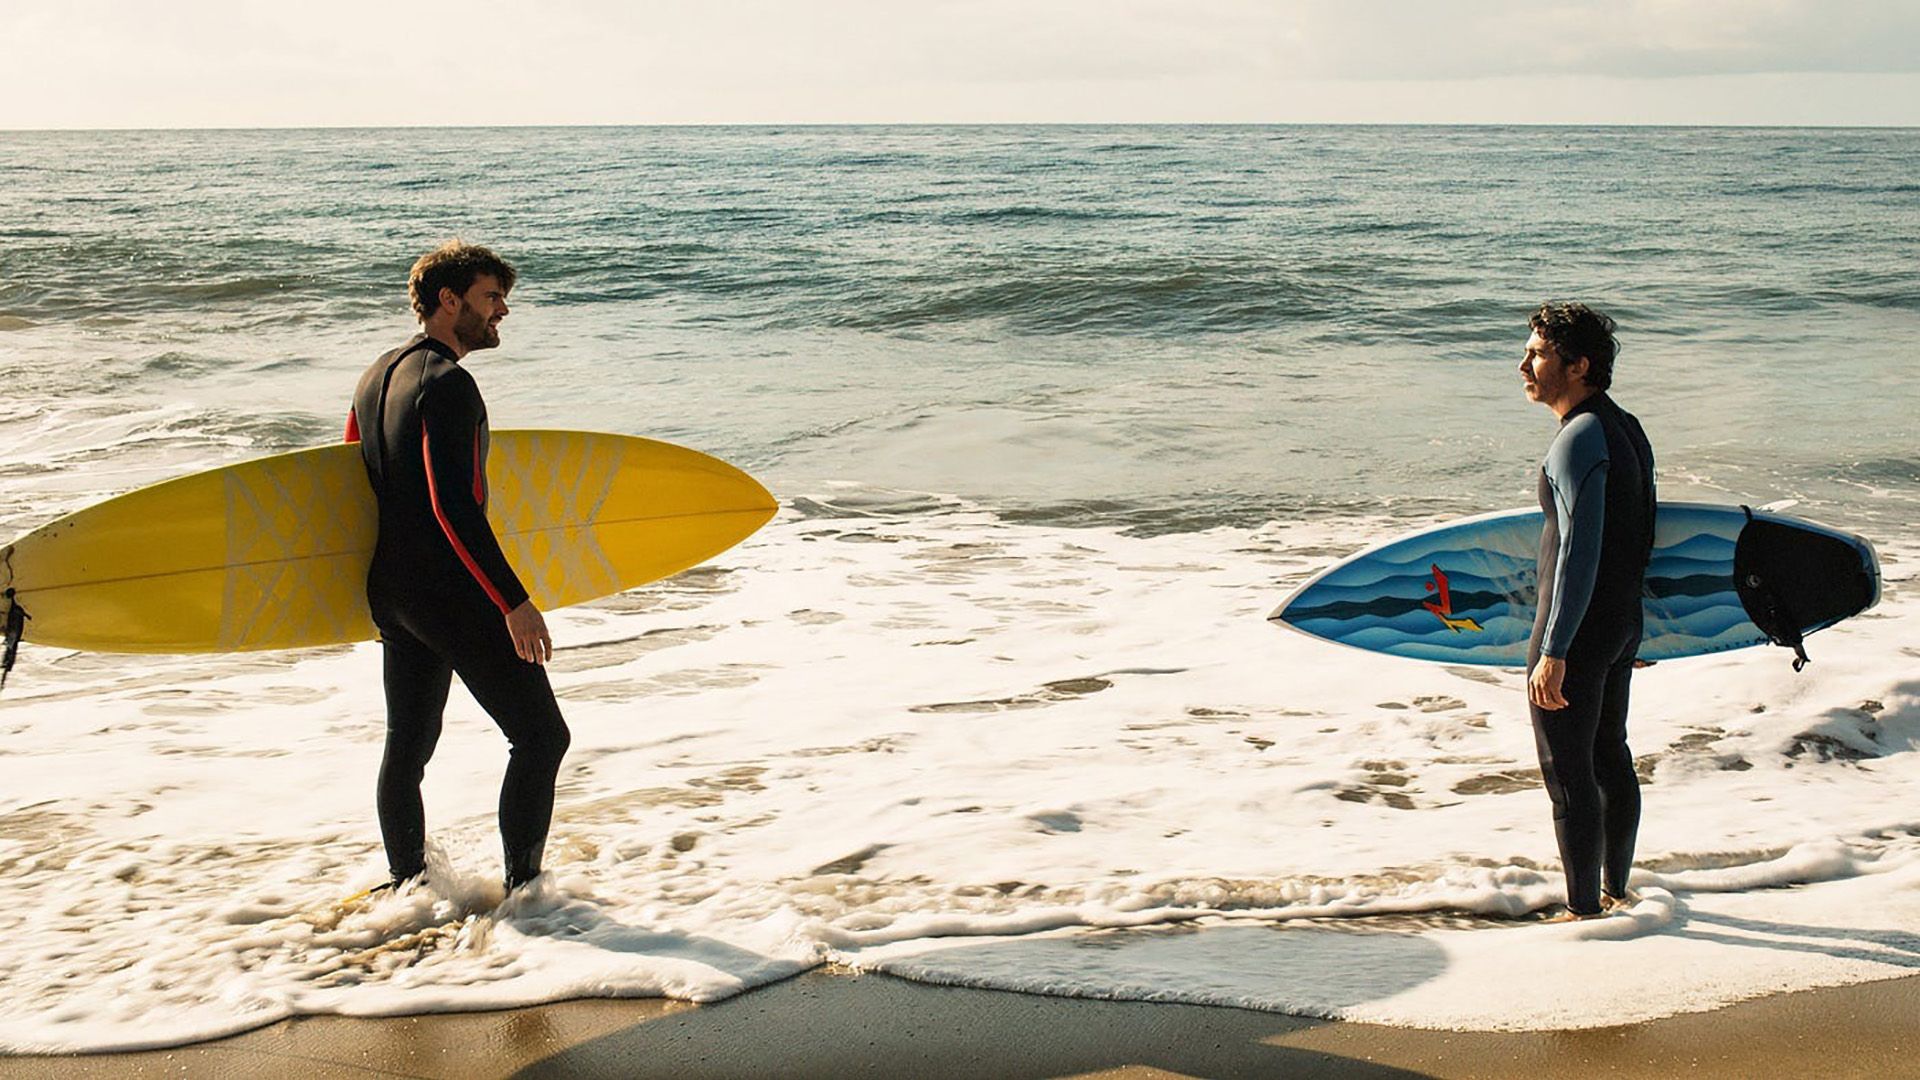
(1894, 948)
(878, 1025)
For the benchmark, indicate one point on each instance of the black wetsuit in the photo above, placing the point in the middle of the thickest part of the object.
(1597, 492)
(439, 589)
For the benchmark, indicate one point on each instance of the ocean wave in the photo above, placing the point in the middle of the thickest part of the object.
(1058, 294)
(1030, 231)
(1891, 470)
(1202, 512)
(1893, 299)
(1041, 215)
(1177, 296)
(1133, 148)
(1824, 188)
(180, 363)
(237, 288)
(269, 432)
(863, 161)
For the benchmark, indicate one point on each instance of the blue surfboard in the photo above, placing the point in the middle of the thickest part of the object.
(1721, 577)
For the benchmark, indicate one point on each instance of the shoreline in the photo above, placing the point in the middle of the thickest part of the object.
(835, 1023)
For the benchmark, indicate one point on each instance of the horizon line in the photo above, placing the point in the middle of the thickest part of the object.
(844, 124)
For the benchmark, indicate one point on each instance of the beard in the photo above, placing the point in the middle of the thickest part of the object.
(1545, 388)
(473, 331)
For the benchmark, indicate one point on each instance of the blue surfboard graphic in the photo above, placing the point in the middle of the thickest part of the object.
(1464, 592)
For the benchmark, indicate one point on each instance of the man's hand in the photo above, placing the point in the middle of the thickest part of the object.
(1543, 688)
(528, 629)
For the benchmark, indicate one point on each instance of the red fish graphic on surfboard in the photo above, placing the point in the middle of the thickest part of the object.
(1444, 609)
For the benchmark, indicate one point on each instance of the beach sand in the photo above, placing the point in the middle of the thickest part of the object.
(831, 1024)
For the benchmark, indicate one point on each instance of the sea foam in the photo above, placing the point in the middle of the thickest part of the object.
(963, 750)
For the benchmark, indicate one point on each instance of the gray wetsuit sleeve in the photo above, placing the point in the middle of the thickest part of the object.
(1577, 471)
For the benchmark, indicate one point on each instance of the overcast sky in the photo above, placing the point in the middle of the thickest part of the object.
(229, 63)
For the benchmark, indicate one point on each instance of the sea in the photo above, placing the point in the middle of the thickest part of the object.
(1055, 416)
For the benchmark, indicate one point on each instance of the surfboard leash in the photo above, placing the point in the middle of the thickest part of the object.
(16, 617)
(16, 626)
(1764, 605)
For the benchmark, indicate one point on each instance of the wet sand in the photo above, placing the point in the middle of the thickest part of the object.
(826, 1024)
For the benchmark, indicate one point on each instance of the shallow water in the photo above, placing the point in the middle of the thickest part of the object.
(1056, 416)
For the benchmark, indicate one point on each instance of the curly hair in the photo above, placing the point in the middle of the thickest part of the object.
(453, 265)
(1576, 330)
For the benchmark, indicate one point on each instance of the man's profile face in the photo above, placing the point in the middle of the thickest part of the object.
(1545, 374)
(476, 320)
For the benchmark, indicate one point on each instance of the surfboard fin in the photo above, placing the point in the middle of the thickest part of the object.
(16, 626)
(1765, 587)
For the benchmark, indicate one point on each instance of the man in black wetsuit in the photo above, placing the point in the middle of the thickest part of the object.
(443, 596)
(1596, 490)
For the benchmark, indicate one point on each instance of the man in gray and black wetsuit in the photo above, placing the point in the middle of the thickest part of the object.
(1597, 492)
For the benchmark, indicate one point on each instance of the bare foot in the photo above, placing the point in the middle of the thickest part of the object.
(1610, 903)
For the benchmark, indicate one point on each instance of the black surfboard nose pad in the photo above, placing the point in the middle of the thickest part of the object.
(16, 626)
(1792, 581)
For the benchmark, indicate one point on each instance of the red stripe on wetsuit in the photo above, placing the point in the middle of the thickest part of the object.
(424, 500)
(446, 526)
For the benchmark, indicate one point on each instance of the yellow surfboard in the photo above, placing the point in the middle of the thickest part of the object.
(273, 553)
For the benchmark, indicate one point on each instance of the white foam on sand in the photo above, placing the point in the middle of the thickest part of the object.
(1663, 956)
(962, 750)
